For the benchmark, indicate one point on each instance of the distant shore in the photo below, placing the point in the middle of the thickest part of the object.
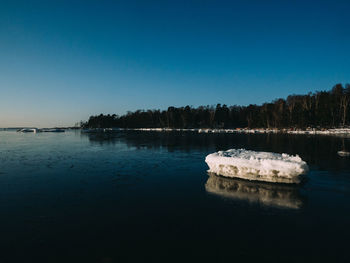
(311, 131)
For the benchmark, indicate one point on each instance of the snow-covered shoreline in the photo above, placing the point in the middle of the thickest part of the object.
(338, 131)
(257, 166)
(335, 131)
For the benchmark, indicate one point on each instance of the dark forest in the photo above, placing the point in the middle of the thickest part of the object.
(322, 109)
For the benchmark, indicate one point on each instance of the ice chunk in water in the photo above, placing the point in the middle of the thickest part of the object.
(257, 166)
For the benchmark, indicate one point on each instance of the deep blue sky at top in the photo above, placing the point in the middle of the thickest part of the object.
(61, 61)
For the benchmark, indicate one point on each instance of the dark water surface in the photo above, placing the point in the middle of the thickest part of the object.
(146, 197)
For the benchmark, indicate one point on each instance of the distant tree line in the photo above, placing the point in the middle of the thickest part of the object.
(320, 109)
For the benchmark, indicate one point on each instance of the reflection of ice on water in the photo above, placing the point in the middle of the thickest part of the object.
(274, 195)
(257, 166)
(343, 152)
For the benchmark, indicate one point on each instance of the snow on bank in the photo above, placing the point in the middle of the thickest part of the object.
(340, 131)
(274, 195)
(257, 166)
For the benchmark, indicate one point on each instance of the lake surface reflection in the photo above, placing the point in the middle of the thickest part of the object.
(274, 195)
(147, 197)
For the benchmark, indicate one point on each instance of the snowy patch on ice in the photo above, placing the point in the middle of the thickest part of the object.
(274, 195)
(257, 166)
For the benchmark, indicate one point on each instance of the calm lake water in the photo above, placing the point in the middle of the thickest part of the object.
(146, 197)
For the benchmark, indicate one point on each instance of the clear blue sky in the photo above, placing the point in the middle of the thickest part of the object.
(61, 61)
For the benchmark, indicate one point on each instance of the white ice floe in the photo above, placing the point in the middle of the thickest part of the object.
(274, 195)
(35, 130)
(343, 153)
(257, 166)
